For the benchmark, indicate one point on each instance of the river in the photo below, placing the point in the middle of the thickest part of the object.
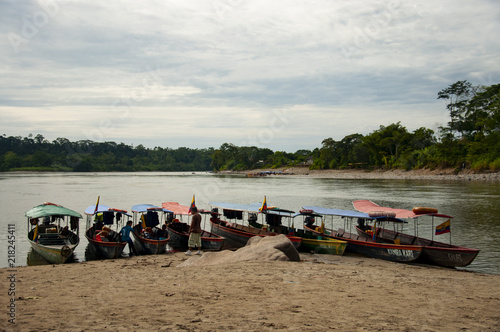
(473, 204)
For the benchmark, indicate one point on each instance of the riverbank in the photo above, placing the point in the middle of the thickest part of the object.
(322, 292)
(421, 174)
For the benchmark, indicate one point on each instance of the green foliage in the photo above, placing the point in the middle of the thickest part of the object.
(471, 139)
(495, 165)
(87, 156)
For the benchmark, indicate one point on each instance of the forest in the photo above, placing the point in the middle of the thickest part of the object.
(471, 139)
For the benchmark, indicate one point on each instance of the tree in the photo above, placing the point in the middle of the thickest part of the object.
(327, 153)
(387, 144)
(458, 95)
(484, 110)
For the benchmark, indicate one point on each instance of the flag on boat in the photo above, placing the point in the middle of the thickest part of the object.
(35, 234)
(443, 228)
(292, 229)
(264, 205)
(193, 205)
(321, 229)
(143, 221)
(97, 205)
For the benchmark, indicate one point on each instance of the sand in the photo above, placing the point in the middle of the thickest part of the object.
(319, 293)
(421, 174)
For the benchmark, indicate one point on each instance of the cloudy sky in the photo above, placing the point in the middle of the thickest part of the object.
(277, 74)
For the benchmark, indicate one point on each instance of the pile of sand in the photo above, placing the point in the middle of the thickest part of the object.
(270, 248)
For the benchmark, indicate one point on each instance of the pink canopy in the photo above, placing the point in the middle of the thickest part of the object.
(367, 206)
(175, 207)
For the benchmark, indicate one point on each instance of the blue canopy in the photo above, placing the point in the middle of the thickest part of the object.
(280, 212)
(337, 212)
(350, 214)
(314, 214)
(252, 207)
(101, 208)
(139, 208)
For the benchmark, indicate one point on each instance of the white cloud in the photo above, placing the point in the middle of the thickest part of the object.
(199, 74)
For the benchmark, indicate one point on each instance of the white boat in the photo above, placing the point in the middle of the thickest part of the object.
(53, 231)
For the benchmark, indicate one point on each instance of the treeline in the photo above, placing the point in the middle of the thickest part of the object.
(38, 154)
(470, 140)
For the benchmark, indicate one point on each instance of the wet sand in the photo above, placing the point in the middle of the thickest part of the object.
(320, 293)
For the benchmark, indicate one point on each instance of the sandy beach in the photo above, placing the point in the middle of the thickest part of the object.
(421, 174)
(319, 293)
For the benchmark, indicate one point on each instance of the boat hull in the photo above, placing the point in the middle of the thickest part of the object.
(366, 247)
(434, 252)
(326, 246)
(54, 254)
(309, 242)
(179, 238)
(237, 236)
(234, 239)
(449, 257)
(145, 246)
(104, 250)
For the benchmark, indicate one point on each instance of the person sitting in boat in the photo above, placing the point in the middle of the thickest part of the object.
(64, 232)
(46, 220)
(112, 235)
(309, 222)
(147, 233)
(162, 233)
(361, 224)
(102, 236)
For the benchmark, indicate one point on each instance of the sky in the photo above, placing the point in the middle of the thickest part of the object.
(283, 75)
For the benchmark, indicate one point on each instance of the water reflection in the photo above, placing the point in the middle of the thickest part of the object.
(33, 258)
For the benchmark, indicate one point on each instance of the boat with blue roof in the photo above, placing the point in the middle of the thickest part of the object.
(102, 230)
(149, 239)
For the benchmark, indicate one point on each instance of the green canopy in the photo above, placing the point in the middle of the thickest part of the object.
(49, 209)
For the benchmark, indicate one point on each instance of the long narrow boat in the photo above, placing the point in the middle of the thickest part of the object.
(434, 252)
(55, 243)
(179, 231)
(318, 243)
(237, 235)
(360, 244)
(148, 238)
(107, 244)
